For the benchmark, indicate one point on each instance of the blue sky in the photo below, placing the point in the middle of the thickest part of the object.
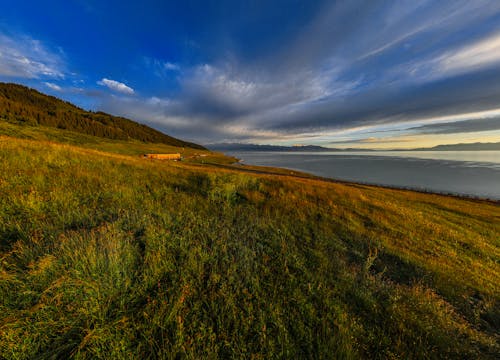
(377, 74)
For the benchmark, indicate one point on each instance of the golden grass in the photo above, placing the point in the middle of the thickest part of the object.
(104, 254)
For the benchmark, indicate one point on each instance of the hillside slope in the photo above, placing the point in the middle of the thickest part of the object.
(105, 255)
(22, 105)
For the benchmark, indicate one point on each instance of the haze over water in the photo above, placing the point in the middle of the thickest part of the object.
(470, 173)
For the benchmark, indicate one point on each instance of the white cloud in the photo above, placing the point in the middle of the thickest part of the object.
(116, 86)
(53, 86)
(307, 91)
(28, 58)
(468, 58)
(223, 84)
(473, 56)
(156, 101)
(160, 68)
(246, 89)
(404, 20)
(171, 66)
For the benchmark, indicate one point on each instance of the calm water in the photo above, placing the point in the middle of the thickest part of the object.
(472, 173)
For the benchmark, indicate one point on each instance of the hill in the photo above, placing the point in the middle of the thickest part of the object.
(314, 148)
(254, 147)
(464, 147)
(108, 255)
(22, 105)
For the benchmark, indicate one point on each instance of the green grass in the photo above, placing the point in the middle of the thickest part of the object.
(130, 147)
(22, 106)
(107, 255)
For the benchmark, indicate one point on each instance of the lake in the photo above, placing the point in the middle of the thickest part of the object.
(471, 173)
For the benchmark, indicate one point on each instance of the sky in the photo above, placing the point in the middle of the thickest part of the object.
(365, 74)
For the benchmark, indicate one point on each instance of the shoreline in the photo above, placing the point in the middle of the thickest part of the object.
(270, 170)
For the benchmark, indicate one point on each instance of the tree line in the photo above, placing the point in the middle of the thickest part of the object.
(22, 105)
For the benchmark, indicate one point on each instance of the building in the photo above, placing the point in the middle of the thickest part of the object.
(163, 156)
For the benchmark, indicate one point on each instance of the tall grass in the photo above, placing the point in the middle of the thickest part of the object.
(111, 256)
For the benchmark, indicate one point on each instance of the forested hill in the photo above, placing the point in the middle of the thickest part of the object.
(22, 105)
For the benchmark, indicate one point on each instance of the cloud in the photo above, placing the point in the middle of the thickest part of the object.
(171, 66)
(354, 65)
(312, 88)
(53, 86)
(160, 68)
(466, 126)
(228, 93)
(116, 86)
(478, 55)
(483, 53)
(27, 58)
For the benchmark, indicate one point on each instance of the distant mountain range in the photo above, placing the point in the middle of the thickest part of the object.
(24, 106)
(315, 148)
(463, 147)
(255, 147)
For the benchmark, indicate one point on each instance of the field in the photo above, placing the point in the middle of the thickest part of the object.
(104, 254)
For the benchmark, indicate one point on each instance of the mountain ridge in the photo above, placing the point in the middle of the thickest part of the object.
(256, 147)
(478, 146)
(23, 105)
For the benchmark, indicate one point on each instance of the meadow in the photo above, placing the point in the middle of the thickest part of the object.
(104, 254)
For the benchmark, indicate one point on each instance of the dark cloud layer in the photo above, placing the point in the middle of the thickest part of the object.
(266, 72)
(453, 96)
(355, 64)
(466, 126)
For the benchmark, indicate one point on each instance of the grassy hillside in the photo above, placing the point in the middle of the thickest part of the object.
(107, 255)
(22, 105)
(130, 147)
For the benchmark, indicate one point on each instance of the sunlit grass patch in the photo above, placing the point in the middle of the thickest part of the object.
(108, 255)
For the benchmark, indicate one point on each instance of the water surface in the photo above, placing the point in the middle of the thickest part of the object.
(471, 173)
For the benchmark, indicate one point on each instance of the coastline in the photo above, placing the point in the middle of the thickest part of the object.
(297, 173)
